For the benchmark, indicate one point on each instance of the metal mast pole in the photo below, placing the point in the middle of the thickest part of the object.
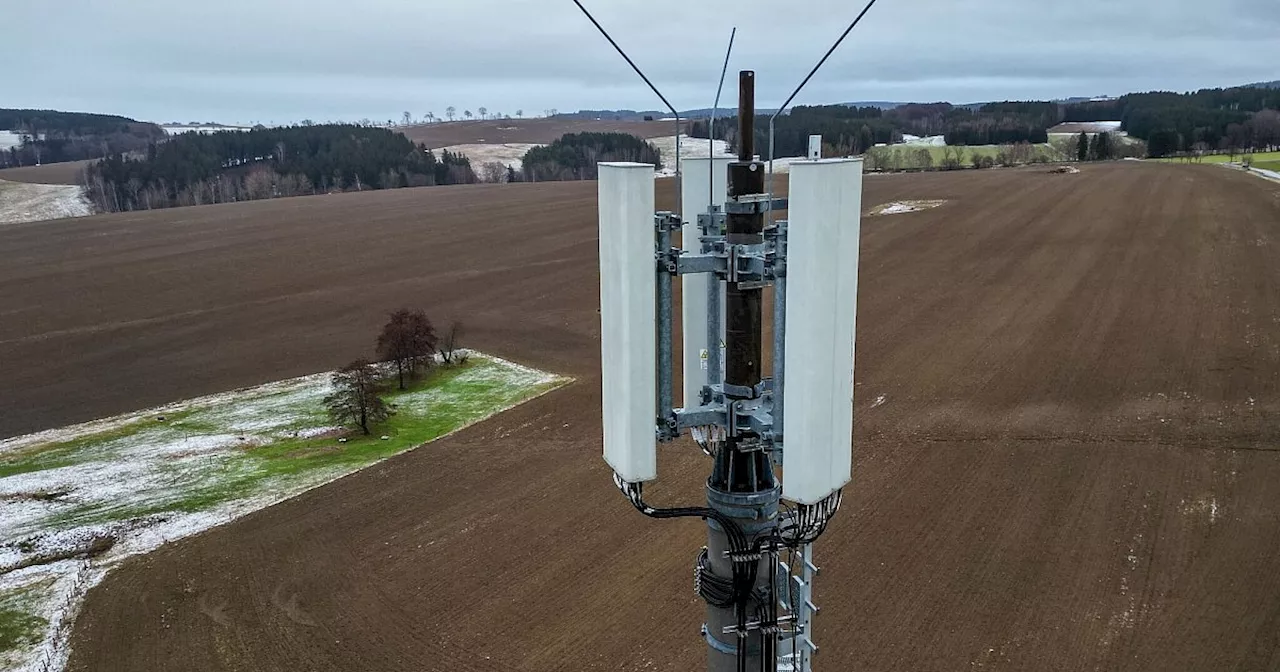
(742, 486)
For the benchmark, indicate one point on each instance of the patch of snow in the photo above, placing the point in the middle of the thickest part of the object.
(902, 207)
(1088, 127)
(1263, 172)
(509, 154)
(22, 202)
(690, 148)
(9, 140)
(879, 401)
(154, 462)
(203, 129)
(929, 141)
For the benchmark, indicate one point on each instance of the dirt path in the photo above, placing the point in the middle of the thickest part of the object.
(1063, 453)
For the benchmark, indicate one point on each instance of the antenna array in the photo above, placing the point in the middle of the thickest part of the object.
(756, 571)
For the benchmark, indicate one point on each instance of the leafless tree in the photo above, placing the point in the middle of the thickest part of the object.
(356, 398)
(519, 114)
(258, 183)
(493, 171)
(449, 345)
(450, 111)
(408, 340)
(483, 111)
(408, 118)
(924, 158)
(466, 113)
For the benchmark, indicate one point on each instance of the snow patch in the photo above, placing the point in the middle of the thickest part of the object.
(928, 141)
(9, 140)
(203, 129)
(108, 488)
(902, 207)
(22, 202)
(690, 148)
(508, 154)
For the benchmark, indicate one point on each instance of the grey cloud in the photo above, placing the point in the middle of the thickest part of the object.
(282, 60)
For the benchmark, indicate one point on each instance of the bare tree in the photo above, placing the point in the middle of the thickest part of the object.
(408, 118)
(493, 171)
(466, 113)
(924, 158)
(483, 111)
(450, 111)
(519, 114)
(356, 398)
(449, 350)
(429, 117)
(409, 340)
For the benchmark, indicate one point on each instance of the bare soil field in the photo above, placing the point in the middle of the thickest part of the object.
(49, 173)
(1065, 443)
(532, 131)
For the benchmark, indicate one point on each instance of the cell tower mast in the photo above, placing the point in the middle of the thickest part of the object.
(759, 607)
(742, 486)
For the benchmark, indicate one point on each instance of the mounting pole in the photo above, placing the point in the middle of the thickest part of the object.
(742, 486)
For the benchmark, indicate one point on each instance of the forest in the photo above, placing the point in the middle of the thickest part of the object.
(574, 156)
(53, 137)
(854, 130)
(196, 169)
(1211, 119)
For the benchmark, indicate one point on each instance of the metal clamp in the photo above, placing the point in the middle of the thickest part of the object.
(754, 204)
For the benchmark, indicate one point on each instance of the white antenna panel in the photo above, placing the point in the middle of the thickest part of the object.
(823, 232)
(628, 343)
(698, 190)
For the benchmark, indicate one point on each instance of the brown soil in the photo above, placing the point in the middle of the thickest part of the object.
(50, 173)
(1064, 454)
(540, 131)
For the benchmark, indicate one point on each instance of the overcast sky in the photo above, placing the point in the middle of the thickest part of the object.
(277, 61)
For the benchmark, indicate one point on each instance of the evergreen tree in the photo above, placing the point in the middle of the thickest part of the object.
(865, 140)
(1082, 148)
(1104, 146)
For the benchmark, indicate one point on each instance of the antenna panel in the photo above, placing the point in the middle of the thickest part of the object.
(823, 232)
(698, 189)
(628, 324)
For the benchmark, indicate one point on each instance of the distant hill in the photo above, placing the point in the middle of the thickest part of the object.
(51, 136)
(539, 131)
(1265, 85)
(882, 104)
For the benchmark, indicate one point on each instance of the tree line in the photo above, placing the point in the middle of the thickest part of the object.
(49, 136)
(574, 156)
(197, 169)
(1242, 118)
(848, 130)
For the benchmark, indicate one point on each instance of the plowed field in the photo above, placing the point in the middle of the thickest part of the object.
(1065, 444)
